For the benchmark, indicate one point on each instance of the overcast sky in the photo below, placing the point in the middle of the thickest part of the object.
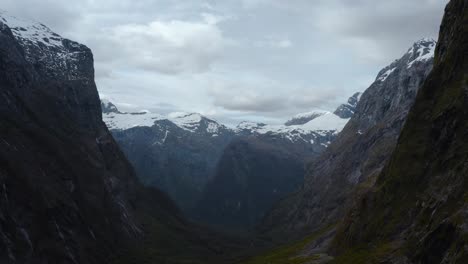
(234, 60)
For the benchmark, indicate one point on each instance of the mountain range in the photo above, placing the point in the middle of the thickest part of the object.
(184, 154)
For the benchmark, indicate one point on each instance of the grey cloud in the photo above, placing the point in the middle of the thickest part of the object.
(275, 57)
(270, 98)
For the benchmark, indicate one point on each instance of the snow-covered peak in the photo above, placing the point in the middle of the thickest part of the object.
(303, 118)
(315, 113)
(347, 110)
(122, 120)
(192, 122)
(108, 107)
(31, 31)
(250, 126)
(60, 57)
(187, 121)
(326, 123)
(422, 50)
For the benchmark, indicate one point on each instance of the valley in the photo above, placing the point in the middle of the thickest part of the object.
(380, 178)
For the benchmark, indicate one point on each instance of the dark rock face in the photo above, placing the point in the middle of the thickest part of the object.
(418, 205)
(360, 151)
(66, 187)
(67, 192)
(253, 173)
(347, 110)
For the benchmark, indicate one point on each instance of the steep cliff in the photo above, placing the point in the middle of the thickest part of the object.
(66, 187)
(417, 210)
(67, 192)
(360, 151)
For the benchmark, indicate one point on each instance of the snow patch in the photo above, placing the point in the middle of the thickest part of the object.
(324, 125)
(122, 121)
(385, 75)
(423, 50)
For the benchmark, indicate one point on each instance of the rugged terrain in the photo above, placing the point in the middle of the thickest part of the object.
(190, 157)
(68, 194)
(416, 211)
(361, 150)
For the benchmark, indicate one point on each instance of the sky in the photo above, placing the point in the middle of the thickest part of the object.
(235, 60)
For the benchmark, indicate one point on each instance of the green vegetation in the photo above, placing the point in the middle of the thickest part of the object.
(364, 256)
(289, 254)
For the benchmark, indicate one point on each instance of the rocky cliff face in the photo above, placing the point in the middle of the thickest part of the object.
(67, 192)
(66, 188)
(416, 211)
(360, 151)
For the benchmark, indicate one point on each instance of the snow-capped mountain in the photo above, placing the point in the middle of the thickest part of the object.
(59, 57)
(303, 118)
(179, 152)
(421, 51)
(347, 110)
(362, 148)
(321, 123)
(190, 122)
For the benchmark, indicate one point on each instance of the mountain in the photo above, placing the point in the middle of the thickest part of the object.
(416, 210)
(303, 118)
(361, 150)
(261, 167)
(347, 110)
(180, 153)
(68, 194)
(108, 107)
(176, 154)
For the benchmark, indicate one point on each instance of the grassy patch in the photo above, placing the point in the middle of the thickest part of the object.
(364, 256)
(289, 254)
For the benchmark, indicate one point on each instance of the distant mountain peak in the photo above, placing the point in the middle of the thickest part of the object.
(194, 122)
(347, 110)
(108, 107)
(303, 118)
(420, 52)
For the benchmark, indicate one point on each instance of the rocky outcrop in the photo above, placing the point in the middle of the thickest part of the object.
(347, 110)
(360, 151)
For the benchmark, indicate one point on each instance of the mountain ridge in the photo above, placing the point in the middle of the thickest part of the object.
(359, 152)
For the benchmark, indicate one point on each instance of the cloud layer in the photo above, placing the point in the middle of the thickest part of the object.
(234, 59)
